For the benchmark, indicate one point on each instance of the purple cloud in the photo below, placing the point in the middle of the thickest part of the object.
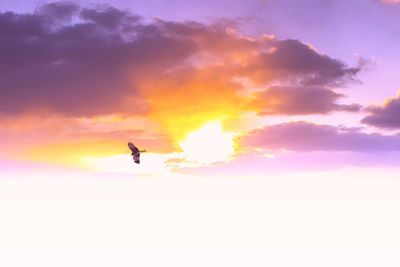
(83, 68)
(300, 100)
(58, 11)
(303, 146)
(308, 137)
(301, 64)
(385, 116)
(308, 80)
(90, 61)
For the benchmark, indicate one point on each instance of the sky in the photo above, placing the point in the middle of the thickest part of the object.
(280, 119)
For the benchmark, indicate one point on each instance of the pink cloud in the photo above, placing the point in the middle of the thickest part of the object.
(390, 1)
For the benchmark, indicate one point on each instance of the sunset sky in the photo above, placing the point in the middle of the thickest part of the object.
(81, 79)
(230, 99)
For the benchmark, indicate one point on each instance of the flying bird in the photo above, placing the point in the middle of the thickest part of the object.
(135, 152)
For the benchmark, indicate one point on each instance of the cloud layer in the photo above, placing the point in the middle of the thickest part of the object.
(308, 137)
(101, 75)
(81, 68)
(91, 61)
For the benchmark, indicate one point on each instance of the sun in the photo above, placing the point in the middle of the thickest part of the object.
(208, 144)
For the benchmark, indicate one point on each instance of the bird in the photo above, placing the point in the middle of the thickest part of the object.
(135, 152)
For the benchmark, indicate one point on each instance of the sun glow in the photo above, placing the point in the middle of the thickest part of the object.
(208, 144)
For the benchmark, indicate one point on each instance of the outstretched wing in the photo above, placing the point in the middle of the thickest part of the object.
(135, 152)
(133, 148)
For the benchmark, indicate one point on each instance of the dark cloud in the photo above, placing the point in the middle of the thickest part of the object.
(110, 17)
(83, 68)
(300, 100)
(308, 137)
(307, 80)
(58, 11)
(299, 63)
(385, 116)
(90, 61)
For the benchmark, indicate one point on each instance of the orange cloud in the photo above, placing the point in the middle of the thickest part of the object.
(66, 140)
(185, 99)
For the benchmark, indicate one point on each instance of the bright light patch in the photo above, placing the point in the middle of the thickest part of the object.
(208, 144)
(151, 164)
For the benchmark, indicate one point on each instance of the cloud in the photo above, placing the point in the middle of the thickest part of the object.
(307, 80)
(43, 137)
(300, 100)
(57, 11)
(390, 1)
(95, 61)
(303, 146)
(308, 137)
(385, 116)
(299, 63)
(82, 68)
(110, 17)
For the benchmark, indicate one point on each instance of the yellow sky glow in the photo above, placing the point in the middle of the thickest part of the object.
(204, 146)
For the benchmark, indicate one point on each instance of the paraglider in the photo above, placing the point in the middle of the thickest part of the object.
(135, 152)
